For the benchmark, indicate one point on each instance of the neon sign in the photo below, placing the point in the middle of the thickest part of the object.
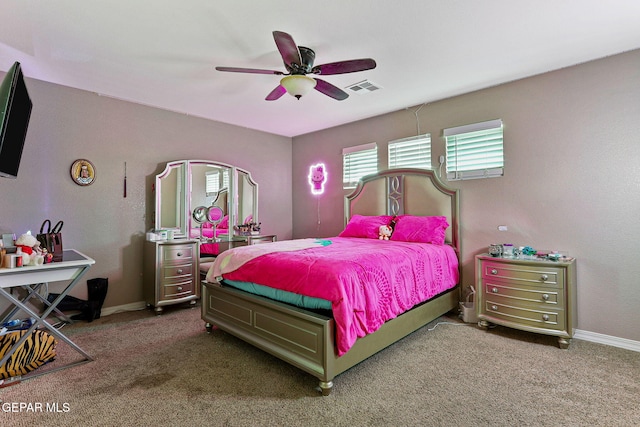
(317, 178)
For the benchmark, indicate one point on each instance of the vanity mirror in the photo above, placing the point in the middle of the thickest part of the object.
(185, 185)
(171, 199)
(208, 219)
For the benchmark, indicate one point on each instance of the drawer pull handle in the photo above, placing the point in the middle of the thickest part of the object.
(179, 254)
(494, 271)
(544, 277)
(545, 297)
(545, 317)
(179, 288)
(494, 307)
(494, 290)
(179, 271)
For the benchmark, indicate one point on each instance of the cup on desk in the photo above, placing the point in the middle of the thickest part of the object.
(12, 261)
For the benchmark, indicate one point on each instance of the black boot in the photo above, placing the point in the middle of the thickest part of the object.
(97, 291)
(68, 303)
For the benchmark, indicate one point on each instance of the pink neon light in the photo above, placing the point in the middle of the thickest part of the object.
(317, 178)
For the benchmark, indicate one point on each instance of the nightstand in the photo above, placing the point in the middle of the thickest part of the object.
(534, 295)
(170, 273)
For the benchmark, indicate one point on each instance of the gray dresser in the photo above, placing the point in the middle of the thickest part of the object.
(532, 295)
(170, 272)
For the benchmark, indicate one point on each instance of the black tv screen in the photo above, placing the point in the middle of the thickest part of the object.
(15, 111)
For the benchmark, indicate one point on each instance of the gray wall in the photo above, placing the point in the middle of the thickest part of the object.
(571, 176)
(67, 124)
(571, 179)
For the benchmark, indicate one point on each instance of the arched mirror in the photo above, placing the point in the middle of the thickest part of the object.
(171, 199)
(209, 186)
(188, 184)
(247, 199)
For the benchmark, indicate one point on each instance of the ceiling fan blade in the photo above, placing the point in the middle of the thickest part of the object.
(276, 93)
(249, 70)
(343, 67)
(330, 90)
(287, 47)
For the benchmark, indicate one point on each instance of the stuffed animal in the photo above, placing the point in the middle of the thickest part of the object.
(30, 247)
(384, 232)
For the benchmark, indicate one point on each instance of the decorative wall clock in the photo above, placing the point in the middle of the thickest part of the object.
(83, 172)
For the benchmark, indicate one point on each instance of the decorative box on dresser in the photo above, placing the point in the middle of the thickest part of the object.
(535, 295)
(170, 272)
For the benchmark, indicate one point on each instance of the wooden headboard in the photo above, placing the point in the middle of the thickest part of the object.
(406, 192)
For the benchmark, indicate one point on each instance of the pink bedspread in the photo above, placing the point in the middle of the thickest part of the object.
(368, 281)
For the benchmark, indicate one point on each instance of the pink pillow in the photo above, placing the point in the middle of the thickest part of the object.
(224, 223)
(365, 226)
(207, 225)
(421, 229)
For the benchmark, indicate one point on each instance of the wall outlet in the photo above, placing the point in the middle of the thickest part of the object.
(503, 228)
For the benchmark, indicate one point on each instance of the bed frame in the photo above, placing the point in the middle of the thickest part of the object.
(305, 339)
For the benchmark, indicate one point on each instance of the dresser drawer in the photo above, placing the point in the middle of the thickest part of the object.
(177, 253)
(524, 274)
(256, 240)
(177, 290)
(548, 319)
(517, 294)
(180, 272)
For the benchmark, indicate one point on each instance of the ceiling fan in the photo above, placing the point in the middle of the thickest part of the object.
(298, 60)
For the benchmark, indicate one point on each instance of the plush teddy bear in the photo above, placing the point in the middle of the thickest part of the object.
(384, 232)
(30, 247)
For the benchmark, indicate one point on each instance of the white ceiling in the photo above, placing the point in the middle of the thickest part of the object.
(163, 53)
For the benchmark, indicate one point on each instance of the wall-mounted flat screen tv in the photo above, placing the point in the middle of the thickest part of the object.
(15, 111)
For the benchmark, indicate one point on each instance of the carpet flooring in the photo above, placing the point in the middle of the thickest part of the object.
(166, 370)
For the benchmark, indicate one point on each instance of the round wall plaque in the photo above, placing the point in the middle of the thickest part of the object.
(83, 172)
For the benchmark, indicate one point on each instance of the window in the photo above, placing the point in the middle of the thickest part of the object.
(357, 162)
(213, 184)
(475, 151)
(412, 152)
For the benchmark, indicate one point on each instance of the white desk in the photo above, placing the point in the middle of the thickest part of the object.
(71, 269)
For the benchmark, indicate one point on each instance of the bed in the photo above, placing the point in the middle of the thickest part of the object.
(328, 341)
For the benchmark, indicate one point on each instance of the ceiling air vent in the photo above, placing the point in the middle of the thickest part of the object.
(363, 87)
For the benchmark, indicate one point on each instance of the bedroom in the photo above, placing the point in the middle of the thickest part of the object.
(564, 186)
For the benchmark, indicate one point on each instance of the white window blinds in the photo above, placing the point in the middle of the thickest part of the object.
(412, 152)
(475, 151)
(214, 182)
(357, 162)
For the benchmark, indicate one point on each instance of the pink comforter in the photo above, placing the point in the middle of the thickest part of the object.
(368, 281)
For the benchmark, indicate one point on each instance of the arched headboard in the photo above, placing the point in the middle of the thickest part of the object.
(406, 191)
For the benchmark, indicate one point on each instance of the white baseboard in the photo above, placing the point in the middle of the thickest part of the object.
(607, 340)
(134, 306)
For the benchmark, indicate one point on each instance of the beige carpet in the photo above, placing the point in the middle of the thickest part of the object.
(167, 371)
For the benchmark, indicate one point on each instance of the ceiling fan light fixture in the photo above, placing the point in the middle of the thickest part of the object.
(297, 85)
